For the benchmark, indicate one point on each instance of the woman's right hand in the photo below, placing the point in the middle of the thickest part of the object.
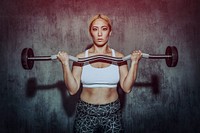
(63, 57)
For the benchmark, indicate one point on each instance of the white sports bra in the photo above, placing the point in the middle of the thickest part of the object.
(106, 77)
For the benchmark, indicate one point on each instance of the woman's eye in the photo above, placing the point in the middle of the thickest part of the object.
(94, 29)
(105, 29)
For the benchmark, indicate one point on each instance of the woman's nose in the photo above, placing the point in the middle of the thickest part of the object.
(99, 33)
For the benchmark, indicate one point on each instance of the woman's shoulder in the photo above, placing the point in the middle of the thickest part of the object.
(81, 55)
(119, 54)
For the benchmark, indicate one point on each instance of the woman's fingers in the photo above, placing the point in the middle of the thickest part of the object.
(136, 55)
(63, 57)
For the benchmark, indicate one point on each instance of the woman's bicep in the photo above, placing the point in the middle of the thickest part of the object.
(76, 71)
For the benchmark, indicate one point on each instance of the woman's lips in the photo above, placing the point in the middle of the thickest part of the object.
(100, 39)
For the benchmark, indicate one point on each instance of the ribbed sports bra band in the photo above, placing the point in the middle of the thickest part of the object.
(107, 77)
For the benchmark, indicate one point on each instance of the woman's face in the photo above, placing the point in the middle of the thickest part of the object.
(100, 32)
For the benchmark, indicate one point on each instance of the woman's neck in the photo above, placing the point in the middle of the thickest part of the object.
(100, 50)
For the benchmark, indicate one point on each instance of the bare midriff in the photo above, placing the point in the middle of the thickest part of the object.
(99, 95)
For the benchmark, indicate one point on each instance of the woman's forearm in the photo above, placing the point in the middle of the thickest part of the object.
(130, 78)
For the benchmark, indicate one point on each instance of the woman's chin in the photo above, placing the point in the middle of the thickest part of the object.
(100, 43)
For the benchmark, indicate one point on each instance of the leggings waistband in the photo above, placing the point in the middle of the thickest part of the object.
(98, 110)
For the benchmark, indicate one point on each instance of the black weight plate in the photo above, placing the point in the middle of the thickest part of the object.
(171, 61)
(26, 53)
(168, 52)
(174, 56)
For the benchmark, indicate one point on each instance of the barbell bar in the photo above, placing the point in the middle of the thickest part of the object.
(28, 58)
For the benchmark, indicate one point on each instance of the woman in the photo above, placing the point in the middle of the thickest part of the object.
(99, 105)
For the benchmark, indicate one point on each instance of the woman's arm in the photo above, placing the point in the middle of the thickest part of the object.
(71, 77)
(128, 77)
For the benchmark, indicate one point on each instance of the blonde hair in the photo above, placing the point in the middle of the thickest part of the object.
(100, 16)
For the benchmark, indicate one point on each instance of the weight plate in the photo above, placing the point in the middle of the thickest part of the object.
(174, 56)
(26, 53)
(171, 61)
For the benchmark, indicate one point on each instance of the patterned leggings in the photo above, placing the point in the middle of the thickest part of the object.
(104, 118)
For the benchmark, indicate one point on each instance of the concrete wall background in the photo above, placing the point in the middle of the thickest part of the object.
(163, 99)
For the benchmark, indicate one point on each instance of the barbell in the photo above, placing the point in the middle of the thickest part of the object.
(28, 58)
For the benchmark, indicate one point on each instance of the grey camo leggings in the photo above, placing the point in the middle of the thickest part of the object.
(104, 118)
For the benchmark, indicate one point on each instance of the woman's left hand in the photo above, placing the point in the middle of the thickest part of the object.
(136, 56)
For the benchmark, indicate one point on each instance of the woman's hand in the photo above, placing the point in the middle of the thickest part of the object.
(136, 56)
(63, 57)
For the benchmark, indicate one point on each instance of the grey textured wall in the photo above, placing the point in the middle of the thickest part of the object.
(163, 100)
